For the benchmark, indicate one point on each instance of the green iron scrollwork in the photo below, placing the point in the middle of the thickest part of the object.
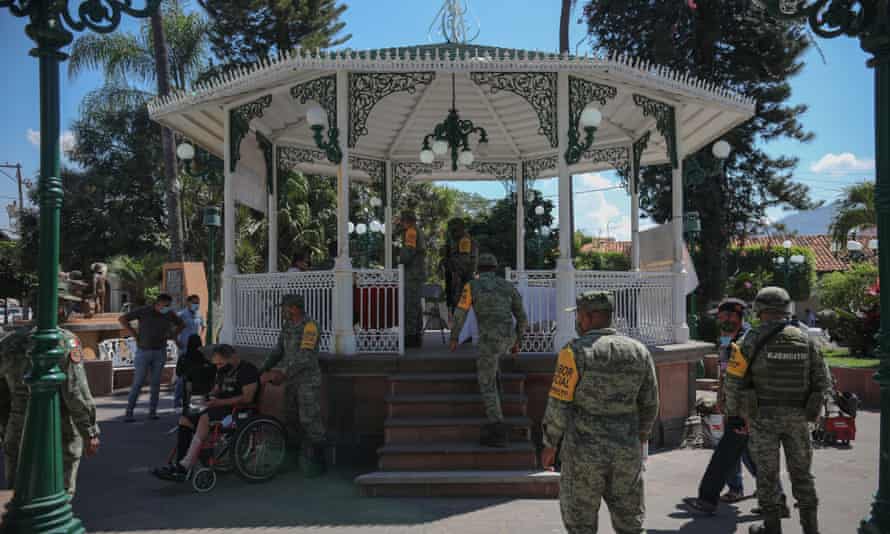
(617, 156)
(324, 91)
(537, 88)
(501, 170)
(375, 168)
(290, 158)
(366, 89)
(240, 118)
(638, 148)
(268, 150)
(581, 93)
(531, 169)
(665, 123)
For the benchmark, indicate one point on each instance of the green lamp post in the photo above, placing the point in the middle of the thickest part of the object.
(212, 220)
(869, 21)
(692, 228)
(40, 503)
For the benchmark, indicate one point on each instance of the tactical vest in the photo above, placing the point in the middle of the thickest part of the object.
(781, 368)
(613, 371)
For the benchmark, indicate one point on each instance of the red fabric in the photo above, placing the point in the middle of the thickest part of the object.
(376, 307)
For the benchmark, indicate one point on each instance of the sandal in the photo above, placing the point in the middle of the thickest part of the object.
(732, 496)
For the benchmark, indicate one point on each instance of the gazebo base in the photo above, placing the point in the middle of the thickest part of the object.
(526, 484)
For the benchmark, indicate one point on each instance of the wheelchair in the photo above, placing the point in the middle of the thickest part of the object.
(251, 444)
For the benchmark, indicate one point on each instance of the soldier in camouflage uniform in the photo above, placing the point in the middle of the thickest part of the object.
(78, 409)
(459, 256)
(603, 403)
(298, 347)
(496, 303)
(777, 381)
(413, 256)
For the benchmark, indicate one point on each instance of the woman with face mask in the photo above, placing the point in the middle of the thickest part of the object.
(194, 326)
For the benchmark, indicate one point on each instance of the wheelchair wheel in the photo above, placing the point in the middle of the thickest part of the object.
(259, 448)
(203, 479)
(222, 459)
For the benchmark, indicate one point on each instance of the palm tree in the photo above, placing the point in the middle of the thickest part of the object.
(856, 210)
(171, 47)
(139, 276)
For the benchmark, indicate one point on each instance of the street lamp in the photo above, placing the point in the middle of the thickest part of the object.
(212, 220)
(317, 118)
(692, 229)
(539, 210)
(788, 262)
(186, 152)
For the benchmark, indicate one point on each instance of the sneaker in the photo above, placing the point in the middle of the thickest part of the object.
(171, 472)
(784, 512)
(154, 416)
(697, 505)
(732, 496)
(128, 417)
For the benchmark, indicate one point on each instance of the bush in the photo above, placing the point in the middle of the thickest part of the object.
(602, 261)
(761, 261)
(745, 285)
(849, 290)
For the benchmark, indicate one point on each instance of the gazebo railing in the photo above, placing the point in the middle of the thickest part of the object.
(257, 315)
(538, 290)
(379, 309)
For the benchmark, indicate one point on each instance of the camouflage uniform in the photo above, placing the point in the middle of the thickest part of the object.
(460, 257)
(777, 380)
(603, 403)
(413, 256)
(496, 302)
(77, 406)
(298, 347)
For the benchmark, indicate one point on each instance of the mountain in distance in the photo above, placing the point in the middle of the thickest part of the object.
(810, 222)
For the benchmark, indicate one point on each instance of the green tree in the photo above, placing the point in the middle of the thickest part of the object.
(307, 218)
(719, 41)
(141, 277)
(849, 290)
(856, 210)
(15, 281)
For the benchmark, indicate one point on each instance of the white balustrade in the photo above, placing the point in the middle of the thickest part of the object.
(379, 308)
(538, 290)
(122, 352)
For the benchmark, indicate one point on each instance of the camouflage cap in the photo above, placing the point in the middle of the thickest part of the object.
(487, 259)
(293, 300)
(772, 299)
(594, 301)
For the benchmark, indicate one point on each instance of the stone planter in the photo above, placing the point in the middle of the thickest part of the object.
(861, 382)
(100, 376)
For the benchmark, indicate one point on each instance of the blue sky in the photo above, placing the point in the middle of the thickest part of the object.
(838, 90)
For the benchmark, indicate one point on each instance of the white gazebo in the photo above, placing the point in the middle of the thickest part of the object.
(365, 116)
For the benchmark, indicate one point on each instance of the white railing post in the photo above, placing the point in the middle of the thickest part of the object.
(681, 329)
(401, 309)
(227, 333)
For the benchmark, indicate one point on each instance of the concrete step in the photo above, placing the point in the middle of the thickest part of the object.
(450, 405)
(442, 456)
(707, 384)
(519, 483)
(447, 429)
(442, 383)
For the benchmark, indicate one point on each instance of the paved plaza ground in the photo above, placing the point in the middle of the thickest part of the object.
(117, 494)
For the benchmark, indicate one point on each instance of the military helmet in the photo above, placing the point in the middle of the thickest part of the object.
(594, 301)
(487, 259)
(293, 300)
(772, 299)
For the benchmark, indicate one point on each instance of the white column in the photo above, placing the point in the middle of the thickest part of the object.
(565, 269)
(681, 329)
(273, 215)
(520, 218)
(227, 334)
(387, 218)
(634, 212)
(344, 335)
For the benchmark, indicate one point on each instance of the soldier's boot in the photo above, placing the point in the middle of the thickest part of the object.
(809, 521)
(495, 435)
(772, 524)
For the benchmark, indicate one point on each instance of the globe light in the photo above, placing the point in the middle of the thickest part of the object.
(721, 149)
(440, 147)
(591, 117)
(316, 116)
(185, 151)
(376, 202)
(854, 246)
(351, 227)
(361, 228)
(873, 244)
(482, 149)
(786, 244)
(539, 210)
(798, 259)
(779, 261)
(529, 196)
(427, 156)
(466, 157)
(545, 231)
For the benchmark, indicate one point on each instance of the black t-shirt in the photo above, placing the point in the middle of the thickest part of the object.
(230, 381)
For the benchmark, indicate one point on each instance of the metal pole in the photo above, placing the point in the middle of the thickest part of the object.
(210, 284)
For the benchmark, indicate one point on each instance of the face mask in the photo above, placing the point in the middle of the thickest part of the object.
(165, 309)
(194, 307)
(727, 326)
(725, 341)
(224, 368)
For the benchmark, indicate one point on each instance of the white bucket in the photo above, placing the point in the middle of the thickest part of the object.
(715, 424)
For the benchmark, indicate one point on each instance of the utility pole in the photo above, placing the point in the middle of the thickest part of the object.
(21, 206)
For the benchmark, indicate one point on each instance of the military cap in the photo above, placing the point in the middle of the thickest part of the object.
(772, 299)
(733, 305)
(594, 301)
(293, 300)
(487, 259)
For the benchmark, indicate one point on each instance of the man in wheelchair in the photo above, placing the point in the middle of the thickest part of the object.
(236, 385)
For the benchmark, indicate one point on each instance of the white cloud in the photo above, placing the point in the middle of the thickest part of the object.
(597, 216)
(67, 139)
(34, 137)
(594, 180)
(843, 163)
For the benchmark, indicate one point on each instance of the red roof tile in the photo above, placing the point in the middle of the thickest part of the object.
(820, 245)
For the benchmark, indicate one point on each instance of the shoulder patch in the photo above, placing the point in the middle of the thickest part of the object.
(75, 351)
(565, 378)
(737, 365)
(466, 298)
(310, 336)
(465, 246)
(411, 238)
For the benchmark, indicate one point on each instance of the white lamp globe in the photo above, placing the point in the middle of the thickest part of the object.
(591, 117)
(786, 244)
(545, 231)
(539, 210)
(426, 156)
(350, 227)
(854, 246)
(361, 228)
(440, 147)
(376, 202)
(721, 149)
(185, 151)
(316, 116)
(873, 244)
(798, 259)
(780, 260)
(482, 148)
(466, 158)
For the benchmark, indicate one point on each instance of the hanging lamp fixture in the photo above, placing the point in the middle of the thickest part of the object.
(453, 135)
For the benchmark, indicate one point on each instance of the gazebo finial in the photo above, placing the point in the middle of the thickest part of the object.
(453, 23)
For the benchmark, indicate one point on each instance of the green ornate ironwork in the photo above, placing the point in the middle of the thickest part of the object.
(639, 146)
(454, 131)
(267, 148)
(324, 91)
(537, 88)
(375, 169)
(366, 89)
(532, 168)
(239, 124)
(406, 170)
(40, 503)
(665, 123)
(869, 20)
(617, 156)
(290, 157)
(501, 170)
(581, 93)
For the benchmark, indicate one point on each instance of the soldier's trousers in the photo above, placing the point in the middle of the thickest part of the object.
(413, 310)
(72, 450)
(791, 432)
(591, 473)
(488, 373)
(302, 391)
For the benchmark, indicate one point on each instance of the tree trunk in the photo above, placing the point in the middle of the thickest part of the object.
(162, 66)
